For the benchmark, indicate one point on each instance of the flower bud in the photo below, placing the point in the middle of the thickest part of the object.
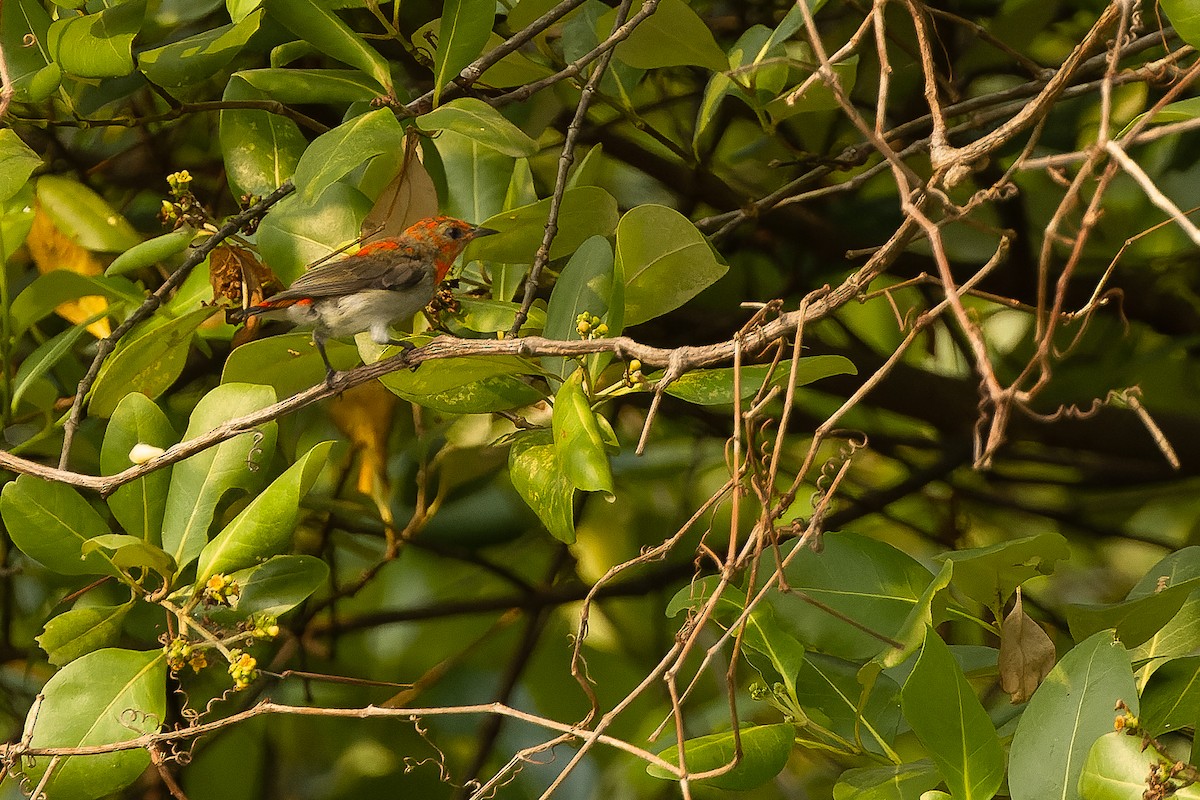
(142, 452)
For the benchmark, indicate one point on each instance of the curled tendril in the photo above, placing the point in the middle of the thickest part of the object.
(255, 452)
(439, 760)
(132, 719)
(853, 442)
(28, 40)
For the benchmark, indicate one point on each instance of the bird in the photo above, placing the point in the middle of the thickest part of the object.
(385, 281)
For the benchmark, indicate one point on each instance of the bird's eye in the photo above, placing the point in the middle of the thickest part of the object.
(455, 233)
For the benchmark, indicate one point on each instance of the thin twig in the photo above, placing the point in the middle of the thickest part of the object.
(565, 160)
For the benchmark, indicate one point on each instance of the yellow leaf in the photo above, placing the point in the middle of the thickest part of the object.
(365, 415)
(52, 250)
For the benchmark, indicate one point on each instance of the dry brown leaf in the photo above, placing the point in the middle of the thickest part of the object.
(409, 198)
(365, 415)
(236, 273)
(1026, 654)
(51, 249)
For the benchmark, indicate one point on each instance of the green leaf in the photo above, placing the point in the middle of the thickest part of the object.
(859, 578)
(316, 24)
(1135, 620)
(130, 552)
(288, 363)
(333, 86)
(929, 610)
(240, 9)
(294, 235)
(264, 527)
(199, 482)
(280, 584)
(585, 212)
(990, 575)
(80, 631)
(84, 216)
(764, 635)
(818, 96)
(481, 396)
(1179, 111)
(902, 782)
(525, 12)
(1117, 767)
(148, 360)
(40, 298)
(481, 316)
(44, 359)
(765, 751)
(476, 179)
(513, 69)
(578, 440)
(1070, 710)
(674, 35)
(588, 282)
(480, 122)
(761, 632)
(19, 163)
(345, 148)
(721, 85)
(1181, 635)
(1185, 18)
(538, 477)
(16, 220)
(198, 57)
(260, 149)
(1173, 569)
(49, 522)
(828, 690)
(1171, 699)
(949, 720)
(32, 74)
(665, 261)
(151, 251)
(104, 697)
(710, 387)
(463, 32)
(444, 374)
(97, 45)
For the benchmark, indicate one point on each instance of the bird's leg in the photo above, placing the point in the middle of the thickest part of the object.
(319, 341)
(383, 335)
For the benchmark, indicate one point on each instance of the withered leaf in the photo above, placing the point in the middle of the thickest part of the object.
(1026, 654)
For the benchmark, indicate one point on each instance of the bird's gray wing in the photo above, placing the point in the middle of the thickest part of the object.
(353, 274)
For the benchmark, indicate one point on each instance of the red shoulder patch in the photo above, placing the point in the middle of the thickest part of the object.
(382, 246)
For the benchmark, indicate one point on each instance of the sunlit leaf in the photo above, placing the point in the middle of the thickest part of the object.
(265, 526)
(104, 697)
(538, 477)
(949, 720)
(49, 522)
(764, 752)
(477, 120)
(665, 261)
(1072, 708)
(578, 440)
(461, 37)
(317, 24)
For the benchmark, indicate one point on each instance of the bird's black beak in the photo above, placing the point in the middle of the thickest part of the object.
(475, 234)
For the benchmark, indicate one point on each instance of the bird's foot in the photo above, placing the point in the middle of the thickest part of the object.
(408, 347)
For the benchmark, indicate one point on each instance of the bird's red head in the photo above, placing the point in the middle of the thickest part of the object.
(448, 236)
